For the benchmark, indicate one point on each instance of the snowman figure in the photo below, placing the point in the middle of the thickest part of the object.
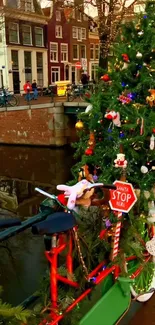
(120, 161)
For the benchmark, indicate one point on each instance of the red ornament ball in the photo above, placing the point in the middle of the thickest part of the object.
(87, 95)
(153, 130)
(105, 78)
(89, 152)
(125, 57)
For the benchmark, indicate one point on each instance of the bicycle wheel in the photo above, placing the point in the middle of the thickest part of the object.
(12, 100)
(71, 98)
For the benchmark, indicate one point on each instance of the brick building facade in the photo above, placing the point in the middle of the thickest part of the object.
(68, 43)
(79, 44)
(58, 45)
(26, 44)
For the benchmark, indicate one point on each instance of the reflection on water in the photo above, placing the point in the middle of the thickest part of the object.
(22, 260)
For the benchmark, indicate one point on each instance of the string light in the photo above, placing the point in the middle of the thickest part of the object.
(104, 267)
(85, 270)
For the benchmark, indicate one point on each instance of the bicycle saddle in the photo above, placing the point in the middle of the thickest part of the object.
(54, 223)
(5, 223)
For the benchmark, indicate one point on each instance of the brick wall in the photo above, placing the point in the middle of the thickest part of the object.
(37, 126)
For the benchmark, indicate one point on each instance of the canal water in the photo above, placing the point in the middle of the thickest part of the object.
(22, 169)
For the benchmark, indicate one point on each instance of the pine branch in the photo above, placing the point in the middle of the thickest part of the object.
(7, 311)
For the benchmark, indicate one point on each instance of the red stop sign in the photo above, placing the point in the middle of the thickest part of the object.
(78, 65)
(123, 198)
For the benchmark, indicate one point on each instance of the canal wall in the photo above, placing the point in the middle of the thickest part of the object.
(44, 124)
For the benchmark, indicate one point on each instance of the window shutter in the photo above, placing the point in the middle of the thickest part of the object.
(53, 47)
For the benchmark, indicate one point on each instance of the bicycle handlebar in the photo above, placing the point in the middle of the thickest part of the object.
(79, 200)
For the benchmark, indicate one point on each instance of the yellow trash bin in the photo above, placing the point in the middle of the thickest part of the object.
(61, 87)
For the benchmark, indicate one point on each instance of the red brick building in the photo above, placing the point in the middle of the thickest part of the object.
(58, 44)
(68, 43)
(79, 43)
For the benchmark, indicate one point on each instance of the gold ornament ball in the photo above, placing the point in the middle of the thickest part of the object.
(137, 27)
(117, 67)
(79, 125)
(90, 143)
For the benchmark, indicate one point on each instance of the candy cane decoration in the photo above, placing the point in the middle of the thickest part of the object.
(116, 236)
(142, 126)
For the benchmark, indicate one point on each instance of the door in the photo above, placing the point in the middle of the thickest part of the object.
(1, 78)
(16, 82)
(55, 74)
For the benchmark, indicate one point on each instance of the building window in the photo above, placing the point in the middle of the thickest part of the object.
(39, 38)
(94, 71)
(26, 5)
(83, 33)
(12, 3)
(64, 52)
(79, 34)
(74, 32)
(40, 80)
(14, 58)
(92, 51)
(58, 15)
(28, 66)
(73, 13)
(83, 52)
(26, 34)
(79, 15)
(54, 52)
(58, 31)
(73, 75)
(67, 72)
(13, 33)
(96, 51)
(139, 8)
(55, 74)
(75, 52)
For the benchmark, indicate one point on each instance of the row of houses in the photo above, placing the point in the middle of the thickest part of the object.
(45, 44)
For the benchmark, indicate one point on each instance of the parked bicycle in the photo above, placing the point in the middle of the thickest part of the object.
(50, 91)
(62, 226)
(77, 91)
(7, 99)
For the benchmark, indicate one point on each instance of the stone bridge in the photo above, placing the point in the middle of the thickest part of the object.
(51, 124)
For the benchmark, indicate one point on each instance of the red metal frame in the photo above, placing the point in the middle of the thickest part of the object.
(100, 277)
(99, 273)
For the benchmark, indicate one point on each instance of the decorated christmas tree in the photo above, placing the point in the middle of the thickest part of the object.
(117, 142)
(122, 112)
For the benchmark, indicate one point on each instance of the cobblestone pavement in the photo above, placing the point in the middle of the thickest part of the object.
(40, 100)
